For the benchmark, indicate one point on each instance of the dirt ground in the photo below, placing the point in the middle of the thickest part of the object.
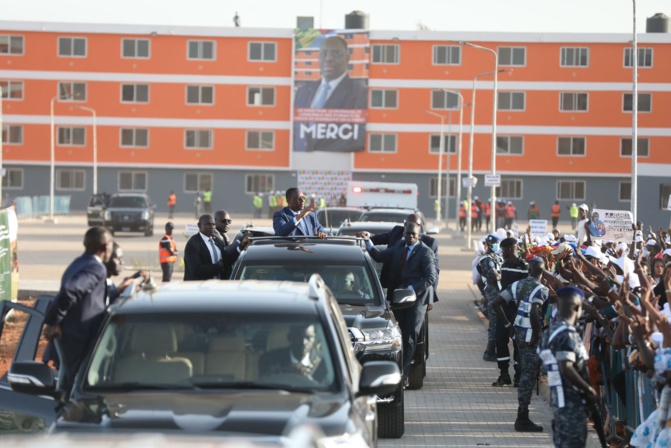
(11, 333)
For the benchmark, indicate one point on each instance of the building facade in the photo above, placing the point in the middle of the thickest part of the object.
(187, 109)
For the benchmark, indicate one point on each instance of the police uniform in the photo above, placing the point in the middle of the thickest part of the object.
(489, 268)
(561, 342)
(526, 293)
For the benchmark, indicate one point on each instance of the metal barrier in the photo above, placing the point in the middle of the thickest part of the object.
(37, 206)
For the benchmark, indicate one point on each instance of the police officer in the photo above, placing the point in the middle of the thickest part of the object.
(565, 360)
(512, 270)
(489, 268)
(530, 296)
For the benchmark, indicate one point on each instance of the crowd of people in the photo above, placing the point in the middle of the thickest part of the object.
(573, 303)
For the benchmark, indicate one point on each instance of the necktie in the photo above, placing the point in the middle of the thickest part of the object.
(323, 96)
(404, 258)
(214, 251)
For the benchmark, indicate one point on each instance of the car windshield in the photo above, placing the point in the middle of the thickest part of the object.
(350, 284)
(334, 218)
(227, 351)
(128, 202)
(384, 217)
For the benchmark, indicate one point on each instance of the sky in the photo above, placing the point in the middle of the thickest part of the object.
(574, 16)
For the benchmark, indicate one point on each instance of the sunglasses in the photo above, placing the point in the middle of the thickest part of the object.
(227, 221)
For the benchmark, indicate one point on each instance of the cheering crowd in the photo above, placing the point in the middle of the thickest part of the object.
(572, 303)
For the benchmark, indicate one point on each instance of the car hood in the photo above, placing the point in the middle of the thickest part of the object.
(126, 209)
(273, 413)
(366, 316)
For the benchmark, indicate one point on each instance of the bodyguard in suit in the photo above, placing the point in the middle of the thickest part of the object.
(296, 219)
(205, 256)
(76, 313)
(413, 265)
(222, 222)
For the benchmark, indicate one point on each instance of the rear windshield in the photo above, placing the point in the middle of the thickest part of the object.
(334, 218)
(128, 201)
(384, 217)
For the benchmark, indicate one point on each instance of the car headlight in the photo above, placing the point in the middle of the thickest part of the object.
(344, 440)
(107, 216)
(381, 338)
(145, 215)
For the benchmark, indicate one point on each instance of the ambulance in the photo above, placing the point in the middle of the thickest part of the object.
(382, 194)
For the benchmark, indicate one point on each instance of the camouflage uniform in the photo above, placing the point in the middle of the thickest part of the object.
(489, 268)
(561, 342)
(526, 293)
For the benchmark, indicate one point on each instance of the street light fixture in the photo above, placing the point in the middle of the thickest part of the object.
(461, 124)
(634, 123)
(439, 194)
(95, 148)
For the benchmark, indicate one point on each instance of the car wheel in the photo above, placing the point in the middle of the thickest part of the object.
(416, 377)
(391, 418)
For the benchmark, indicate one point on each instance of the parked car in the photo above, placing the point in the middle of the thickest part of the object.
(130, 212)
(182, 360)
(331, 218)
(96, 209)
(396, 215)
(349, 272)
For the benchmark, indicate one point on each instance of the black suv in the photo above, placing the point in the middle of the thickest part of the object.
(350, 273)
(217, 358)
(130, 212)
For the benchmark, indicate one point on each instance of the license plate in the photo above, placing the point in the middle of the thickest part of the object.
(125, 229)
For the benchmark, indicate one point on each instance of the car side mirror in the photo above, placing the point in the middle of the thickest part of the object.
(379, 378)
(32, 377)
(403, 298)
(432, 231)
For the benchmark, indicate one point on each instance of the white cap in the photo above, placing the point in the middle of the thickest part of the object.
(622, 245)
(570, 238)
(603, 258)
(549, 236)
(667, 252)
(573, 205)
(651, 242)
(638, 238)
(584, 207)
(591, 252)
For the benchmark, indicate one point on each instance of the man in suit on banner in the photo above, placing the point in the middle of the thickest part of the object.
(295, 219)
(413, 266)
(336, 90)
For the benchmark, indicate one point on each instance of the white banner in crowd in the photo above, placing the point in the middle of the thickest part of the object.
(539, 227)
(613, 225)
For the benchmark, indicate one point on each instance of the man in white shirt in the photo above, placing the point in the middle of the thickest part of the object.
(584, 220)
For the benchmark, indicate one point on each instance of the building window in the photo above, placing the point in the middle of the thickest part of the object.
(381, 142)
(571, 190)
(386, 54)
(644, 57)
(574, 57)
(194, 182)
(509, 189)
(134, 93)
(260, 96)
(643, 147)
(12, 90)
(449, 144)
(259, 183)
(262, 51)
(199, 95)
(134, 137)
(446, 55)
(261, 140)
(624, 191)
(512, 56)
(11, 44)
(13, 179)
(69, 136)
(201, 49)
(573, 102)
(511, 100)
(571, 146)
(198, 139)
(441, 99)
(132, 181)
(383, 99)
(72, 91)
(70, 179)
(433, 187)
(135, 48)
(644, 102)
(73, 47)
(510, 145)
(12, 134)
(664, 194)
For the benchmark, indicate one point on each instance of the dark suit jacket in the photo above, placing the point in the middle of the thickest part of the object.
(230, 253)
(419, 270)
(198, 261)
(283, 223)
(392, 237)
(279, 361)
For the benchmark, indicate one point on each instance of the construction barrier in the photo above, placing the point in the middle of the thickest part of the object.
(38, 206)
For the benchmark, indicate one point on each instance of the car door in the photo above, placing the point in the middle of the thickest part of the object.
(21, 326)
(95, 210)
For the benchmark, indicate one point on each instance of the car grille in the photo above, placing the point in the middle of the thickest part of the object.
(126, 217)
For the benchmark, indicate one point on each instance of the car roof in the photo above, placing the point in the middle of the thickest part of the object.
(228, 296)
(130, 194)
(366, 225)
(305, 250)
(351, 209)
(399, 210)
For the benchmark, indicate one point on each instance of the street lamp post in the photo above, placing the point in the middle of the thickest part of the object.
(53, 162)
(494, 111)
(95, 148)
(634, 123)
(461, 123)
(439, 195)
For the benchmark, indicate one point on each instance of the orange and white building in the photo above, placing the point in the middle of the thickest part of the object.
(186, 108)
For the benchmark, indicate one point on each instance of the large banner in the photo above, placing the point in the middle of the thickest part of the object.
(9, 265)
(330, 90)
(613, 225)
(330, 185)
